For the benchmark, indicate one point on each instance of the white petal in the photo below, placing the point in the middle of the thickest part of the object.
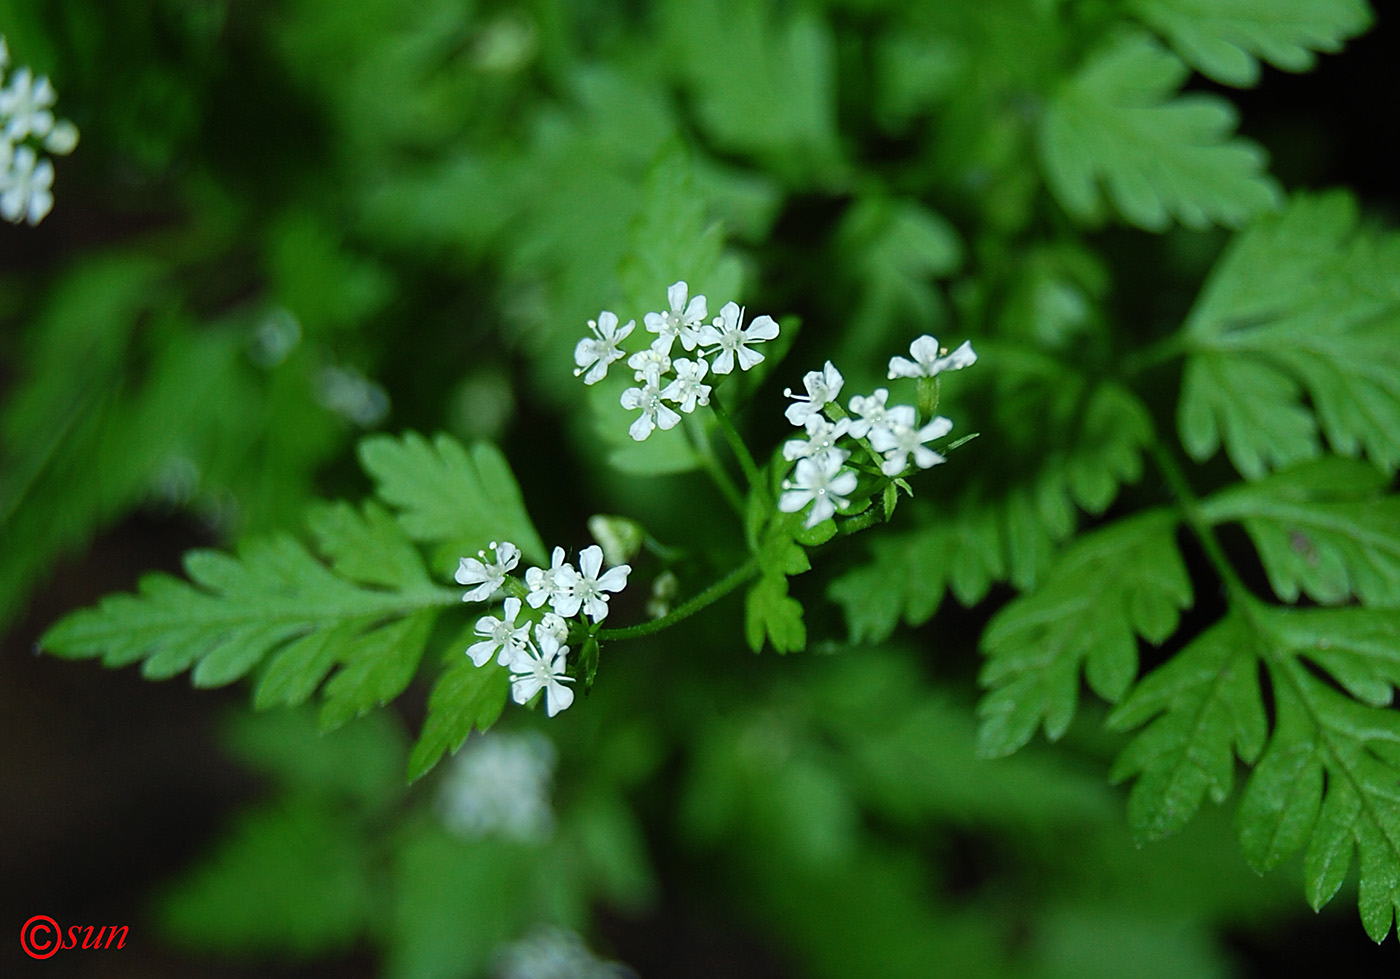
(615, 579)
(748, 358)
(762, 328)
(794, 500)
(522, 688)
(676, 293)
(590, 561)
(557, 697)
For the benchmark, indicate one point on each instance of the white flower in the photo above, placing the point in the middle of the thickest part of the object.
(595, 353)
(732, 339)
(821, 438)
(487, 577)
(655, 414)
(553, 585)
(552, 953)
(589, 589)
(62, 138)
(681, 320)
(650, 364)
(542, 668)
(928, 363)
(26, 105)
(686, 390)
(872, 410)
(898, 438)
(554, 624)
(499, 785)
(501, 636)
(821, 482)
(822, 386)
(25, 184)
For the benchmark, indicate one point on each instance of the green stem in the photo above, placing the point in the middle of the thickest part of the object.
(737, 446)
(1168, 348)
(711, 464)
(709, 596)
(1203, 529)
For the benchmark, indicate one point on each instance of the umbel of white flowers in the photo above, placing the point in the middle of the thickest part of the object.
(27, 127)
(715, 347)
(537, 658)
(822, 479)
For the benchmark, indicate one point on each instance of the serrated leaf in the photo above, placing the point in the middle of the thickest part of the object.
(449, 495)
(236, 611)
(366, 546)
(1205, 708)
(1326, 529)
(465, 698)
(1105, 590)
(769, 612)
(376, 668)
(1159, 156)
(1226, 39)
(1304, 305)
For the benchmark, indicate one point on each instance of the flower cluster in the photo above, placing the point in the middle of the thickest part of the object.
(535, 652)
(715, 347)
(27, 126)
(822, 479)
(499, 785)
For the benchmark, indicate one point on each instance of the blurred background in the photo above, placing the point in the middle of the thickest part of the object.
(292, 223)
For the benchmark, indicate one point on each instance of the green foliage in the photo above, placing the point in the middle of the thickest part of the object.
(1228, 40)
(1302, 304)
(1103, 591)
(466, 698)
(1160, 156)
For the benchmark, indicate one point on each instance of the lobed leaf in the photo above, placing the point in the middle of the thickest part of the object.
(1297, 331)
(465, 697)
(1325, 529)
(1205, 707)
(1226, 39)
(1111, 586)
(769, 612)
(1159, 156)
(447, 494)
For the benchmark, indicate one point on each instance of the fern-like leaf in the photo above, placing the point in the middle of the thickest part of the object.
(1305, 303)
(1108, 588)
(1226, 39)
(1160, 156)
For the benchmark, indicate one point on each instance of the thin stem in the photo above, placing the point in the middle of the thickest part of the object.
(1168, 348)
(709, 596)
(1200, 526)
(721, 479)
(737, 446)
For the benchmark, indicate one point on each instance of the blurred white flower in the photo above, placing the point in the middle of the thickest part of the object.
(499, 785)
(553, 953)
(28, 124)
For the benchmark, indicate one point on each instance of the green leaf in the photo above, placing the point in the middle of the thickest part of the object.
(295, 879)
(465, 698)
(1326, 529)
(1160, 156)
(1205, 707)
(1110, 586)
(236, 611)
(1302, 305)
(376, 668)
(1226, 39)
(770, 612)
(449, 495)
(1331, 777)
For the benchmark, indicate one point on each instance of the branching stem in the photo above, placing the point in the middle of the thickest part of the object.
(709, 596)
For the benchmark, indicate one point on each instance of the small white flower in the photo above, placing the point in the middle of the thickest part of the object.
(62, 138)
(554, 624)
(553, 585)
(898, 438)
(872, 412)
(595, 353)
(650, 364)
(821, 438)
(687, 390)
(655, 414)
(501, 636)
(542, 669)
(27, 104)
(821, 482)
(499, 785)
(681, 320)
(589, 590)
(928, 363)
(487, 578)
(25, 193)
(552, 953)
(726, 332)
(822, 386)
